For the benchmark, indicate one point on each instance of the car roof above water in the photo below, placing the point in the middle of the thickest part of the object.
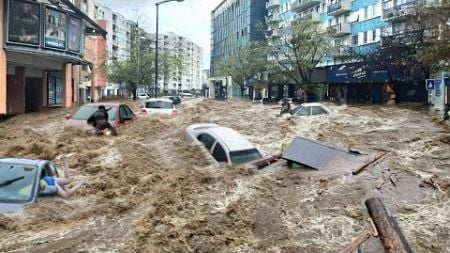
(23, 161)
(231, 138)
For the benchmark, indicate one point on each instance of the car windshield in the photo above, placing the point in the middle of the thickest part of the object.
(86, 111)
(243, 156)
(159, 105)
(16, 183)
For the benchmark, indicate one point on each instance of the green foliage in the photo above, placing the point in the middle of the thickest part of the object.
(297, 50)
(245, 63)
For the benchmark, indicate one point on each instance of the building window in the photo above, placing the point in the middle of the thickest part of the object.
(84, 6)
(364, 37)
(355, 40)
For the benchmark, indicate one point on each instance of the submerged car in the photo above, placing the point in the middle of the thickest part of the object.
(19, 181)
(175, 99)
(159, 106)
(118, 114)
(224, 144)
(308, 109)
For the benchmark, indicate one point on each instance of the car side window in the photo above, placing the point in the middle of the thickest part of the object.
(129, 111)
(207, 140)
(317, 110)
(304, 111)
(219, 153)
(124, 113)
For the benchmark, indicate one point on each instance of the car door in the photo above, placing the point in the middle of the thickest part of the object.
(219, 153)
(207, 140)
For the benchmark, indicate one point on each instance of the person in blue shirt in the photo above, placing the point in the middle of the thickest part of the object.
(50, 185)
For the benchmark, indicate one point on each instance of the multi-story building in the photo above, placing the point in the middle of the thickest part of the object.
(357, 27)
(187, 77)
(233, 24)
(42, 44)
(119, 39)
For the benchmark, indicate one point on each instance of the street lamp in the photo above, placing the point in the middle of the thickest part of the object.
(156, 41)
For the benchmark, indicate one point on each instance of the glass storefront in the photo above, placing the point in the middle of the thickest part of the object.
(55, 85)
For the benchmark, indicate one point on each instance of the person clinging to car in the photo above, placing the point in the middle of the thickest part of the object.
(99, 120)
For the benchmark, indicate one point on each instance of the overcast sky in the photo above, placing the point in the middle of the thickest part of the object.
(191, 18)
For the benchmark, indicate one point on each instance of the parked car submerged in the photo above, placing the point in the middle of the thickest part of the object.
(308, 109)
(19, 181)
(143, 96)
(186, 94)
(224, 144)
(118, 114)
(159, 106)
(175, 99)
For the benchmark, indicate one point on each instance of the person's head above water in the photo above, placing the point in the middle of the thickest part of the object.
(101, 107)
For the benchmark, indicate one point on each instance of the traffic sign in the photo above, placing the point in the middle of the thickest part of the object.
(430, 84)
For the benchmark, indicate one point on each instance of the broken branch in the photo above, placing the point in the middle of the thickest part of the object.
(367, 164)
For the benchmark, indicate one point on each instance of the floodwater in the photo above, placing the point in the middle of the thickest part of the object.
(151, 192)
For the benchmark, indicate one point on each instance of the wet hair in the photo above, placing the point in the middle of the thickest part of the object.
(101, 107)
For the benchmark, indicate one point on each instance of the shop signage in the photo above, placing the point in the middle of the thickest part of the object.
(430, 84)
(24, 22)
(74, 37)
(55, 28)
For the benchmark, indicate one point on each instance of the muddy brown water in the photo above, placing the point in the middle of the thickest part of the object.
(150, 192)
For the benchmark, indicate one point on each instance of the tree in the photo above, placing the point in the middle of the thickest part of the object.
(244, 64)
(297, 50)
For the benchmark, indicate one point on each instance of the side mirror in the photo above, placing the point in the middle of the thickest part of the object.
(68, 116)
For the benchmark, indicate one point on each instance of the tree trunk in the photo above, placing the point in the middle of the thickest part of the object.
(390, 233)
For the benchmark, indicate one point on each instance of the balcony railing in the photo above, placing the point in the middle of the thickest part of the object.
(272, 4)
(341, 29)
(398, 11)
(340, 51)
(301, 5)
(339, 7)
(314, 16)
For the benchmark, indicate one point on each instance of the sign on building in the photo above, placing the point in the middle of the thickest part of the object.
(55, 28)
(430, 84)
(24, 22)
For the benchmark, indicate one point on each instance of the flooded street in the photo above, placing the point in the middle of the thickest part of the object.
(151, 192)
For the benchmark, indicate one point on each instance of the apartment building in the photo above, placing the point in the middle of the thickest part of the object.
(357, 29)
(118, 46)
(189, 76)
(233, 24)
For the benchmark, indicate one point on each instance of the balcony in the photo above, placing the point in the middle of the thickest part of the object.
(272, 4)
(341, 29)
(272, 19)
(339, 51)
(314, 16)
(399, 12)
(301, 5)
(339, 8)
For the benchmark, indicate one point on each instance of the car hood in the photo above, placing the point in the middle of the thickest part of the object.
(10, 207)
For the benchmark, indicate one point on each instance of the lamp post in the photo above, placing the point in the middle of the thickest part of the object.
(157, 42)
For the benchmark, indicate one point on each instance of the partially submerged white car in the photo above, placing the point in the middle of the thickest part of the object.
(224, 144)
(159, 106)
(310, 109)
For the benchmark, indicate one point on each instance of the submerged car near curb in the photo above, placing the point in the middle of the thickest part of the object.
(119, 114)
(19, 181)
(224, 144)
(159, 106)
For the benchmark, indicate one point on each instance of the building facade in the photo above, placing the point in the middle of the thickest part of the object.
(233, 24)
(118, 40)
(358, 27)
(187, 77)
(43, 45)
